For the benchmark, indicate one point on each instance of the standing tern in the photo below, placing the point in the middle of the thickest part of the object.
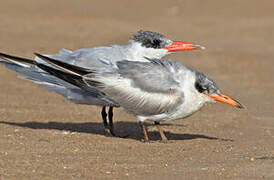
(142, 45)
(157, 90)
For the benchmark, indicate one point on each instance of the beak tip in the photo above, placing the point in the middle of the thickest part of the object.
(203, 48)
(227, 100)
(240, 106)
(199, 47)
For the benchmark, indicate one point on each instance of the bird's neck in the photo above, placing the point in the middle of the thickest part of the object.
(193, 100)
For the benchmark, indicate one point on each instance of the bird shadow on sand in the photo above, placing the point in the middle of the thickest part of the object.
(128, 130)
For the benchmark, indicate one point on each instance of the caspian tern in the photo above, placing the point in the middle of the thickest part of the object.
(142, 45)
(157, 90)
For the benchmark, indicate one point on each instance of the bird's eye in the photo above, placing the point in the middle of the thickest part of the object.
(200, 88)
(156, 43)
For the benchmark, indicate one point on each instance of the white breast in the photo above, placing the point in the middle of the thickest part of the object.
(192, 102)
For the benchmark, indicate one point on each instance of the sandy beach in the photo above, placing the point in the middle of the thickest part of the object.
(44, 136)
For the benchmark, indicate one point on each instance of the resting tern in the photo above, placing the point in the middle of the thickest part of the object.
(142, 45)
(157, 90)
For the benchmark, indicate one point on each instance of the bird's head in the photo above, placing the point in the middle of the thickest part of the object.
(209, 88)
(156, 45)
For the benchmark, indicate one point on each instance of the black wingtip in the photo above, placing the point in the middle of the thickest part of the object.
(64, 66)
(68, 77)
(16, 58)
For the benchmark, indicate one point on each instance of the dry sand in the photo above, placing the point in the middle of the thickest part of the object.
(43, 136)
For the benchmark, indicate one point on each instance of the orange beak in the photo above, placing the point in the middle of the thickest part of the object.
(226, 99)
(182, 46)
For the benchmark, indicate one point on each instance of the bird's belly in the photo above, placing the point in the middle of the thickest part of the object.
(181, 112)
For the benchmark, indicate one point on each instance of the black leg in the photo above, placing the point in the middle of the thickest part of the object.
(110, 119)
(109, 128)
(104, 117)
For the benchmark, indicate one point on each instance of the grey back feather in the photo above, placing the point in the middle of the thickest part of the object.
(150, 77)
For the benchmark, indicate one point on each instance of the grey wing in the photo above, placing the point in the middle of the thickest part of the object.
(140, 88)
(156, 76)
(89, 57)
